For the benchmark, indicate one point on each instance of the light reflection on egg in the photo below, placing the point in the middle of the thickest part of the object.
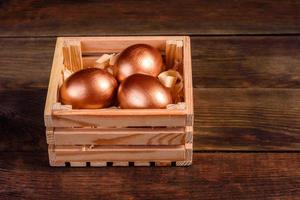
(143, 91)
(138, 58)
(89, 88)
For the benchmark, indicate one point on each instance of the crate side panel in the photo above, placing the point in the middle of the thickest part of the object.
(117, 44)
(119, 136)
(118, 153)
(55, 79)
(81, 120)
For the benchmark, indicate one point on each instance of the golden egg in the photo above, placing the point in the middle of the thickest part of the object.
(143, 91)
(89, 88)
(138, 58)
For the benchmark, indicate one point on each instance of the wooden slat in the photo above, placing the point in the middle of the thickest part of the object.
(191, 17)
(92, 45)
(116, 153)
(78, 164)
(188, 81)
(98, 164)
(142, 164)
(54, 81)
(121, 136)
(212, 176)
(118, 118)
(120, 164)
(115, 44)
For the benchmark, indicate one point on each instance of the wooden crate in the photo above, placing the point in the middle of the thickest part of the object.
(119, 137)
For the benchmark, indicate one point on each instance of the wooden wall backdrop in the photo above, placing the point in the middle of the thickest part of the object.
(246, 76)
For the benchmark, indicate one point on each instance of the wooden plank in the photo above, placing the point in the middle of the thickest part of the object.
(92, 45)
(116, 153)
(188, 82)
(54, 81)
(246, 62)
(98, 164)
(225, 119)
(149, 18)
(218, 62)
(22, 127)
(25, 63)
(247, 119)
(120, 164)
(78, 164)
(118, 118)
(269, 119)
(212, 176)
(142, 164)
(121, 136)
(115, 44)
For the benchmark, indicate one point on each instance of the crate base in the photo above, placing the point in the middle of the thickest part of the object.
(78, 156)
(123, 164)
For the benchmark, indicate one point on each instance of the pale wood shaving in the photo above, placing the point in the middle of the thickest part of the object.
(179, 105)
(173, 80)
(103, 61)
(106, 62)
(113, 59)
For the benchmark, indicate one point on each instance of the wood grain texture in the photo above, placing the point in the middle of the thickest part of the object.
(118, 118)
(21, 120)
(125, 136)
(259, 119)
(212, 176)
(55, 81)
(225, 119)
(246, 62)
(218, 62)
(247, 119)
(25, 63)
(243, 62)
(191, 17)
(116, 153)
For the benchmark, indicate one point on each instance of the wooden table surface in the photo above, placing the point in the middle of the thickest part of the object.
(246, 76)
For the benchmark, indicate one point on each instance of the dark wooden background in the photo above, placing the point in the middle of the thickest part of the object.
(246, 76)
